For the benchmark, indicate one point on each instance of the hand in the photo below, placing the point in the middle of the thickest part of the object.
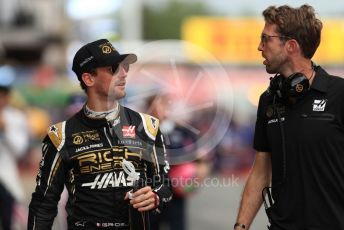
(144, 199)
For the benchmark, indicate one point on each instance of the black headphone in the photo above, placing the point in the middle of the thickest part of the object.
(294, 86)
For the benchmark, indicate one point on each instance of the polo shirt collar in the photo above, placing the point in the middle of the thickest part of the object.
(320, 81)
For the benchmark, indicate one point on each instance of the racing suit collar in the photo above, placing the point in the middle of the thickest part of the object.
(109, 115)
(93, 122)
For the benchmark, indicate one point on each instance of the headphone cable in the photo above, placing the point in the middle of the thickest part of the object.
(268, 190)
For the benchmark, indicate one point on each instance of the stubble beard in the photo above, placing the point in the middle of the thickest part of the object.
(274, 68)
(270, 70)
(117, 96)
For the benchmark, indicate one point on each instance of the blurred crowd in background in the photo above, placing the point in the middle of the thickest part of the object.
(200, 56)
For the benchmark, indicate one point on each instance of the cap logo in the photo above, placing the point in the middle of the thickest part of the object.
(86, 61)
(106, 49)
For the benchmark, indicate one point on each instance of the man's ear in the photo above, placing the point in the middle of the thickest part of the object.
(88, 79)
(292, 46)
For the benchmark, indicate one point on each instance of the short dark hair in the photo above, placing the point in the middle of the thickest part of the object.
(299, 23)
(91, 71)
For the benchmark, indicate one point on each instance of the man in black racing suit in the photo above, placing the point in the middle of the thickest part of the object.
(86, 153)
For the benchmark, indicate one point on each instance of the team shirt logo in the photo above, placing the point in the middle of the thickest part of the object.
(319, 105)
(129, 131)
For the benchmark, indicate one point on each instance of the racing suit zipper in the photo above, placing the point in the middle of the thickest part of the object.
(106, 132)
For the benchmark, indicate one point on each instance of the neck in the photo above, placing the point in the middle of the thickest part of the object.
(303, 66)
(108, 115)
(101, 105)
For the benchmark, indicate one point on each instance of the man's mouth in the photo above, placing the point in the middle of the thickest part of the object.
(121, 84)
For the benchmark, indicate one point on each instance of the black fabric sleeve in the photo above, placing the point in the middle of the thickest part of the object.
(260, 134)
(49, 186)
(158, 173)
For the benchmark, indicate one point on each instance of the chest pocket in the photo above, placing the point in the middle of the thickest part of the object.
(317, 126)
(319, 116)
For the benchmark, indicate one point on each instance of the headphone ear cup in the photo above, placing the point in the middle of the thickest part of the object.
(277, 86)
(297, 85)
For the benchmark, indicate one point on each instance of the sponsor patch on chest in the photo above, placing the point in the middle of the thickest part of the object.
(319, 105)
(129, 131)
(111, 179)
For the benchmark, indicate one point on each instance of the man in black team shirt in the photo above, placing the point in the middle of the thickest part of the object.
(88, 152)
(299, 135)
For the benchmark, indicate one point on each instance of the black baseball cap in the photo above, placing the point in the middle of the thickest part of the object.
(99, 53)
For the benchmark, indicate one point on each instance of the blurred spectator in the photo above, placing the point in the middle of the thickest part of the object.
(180, 141)
(75, 103)
(233, 154)
(38, 121)
(14, 140)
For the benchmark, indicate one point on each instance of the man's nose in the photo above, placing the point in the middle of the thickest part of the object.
(260, 46)
(123, 72)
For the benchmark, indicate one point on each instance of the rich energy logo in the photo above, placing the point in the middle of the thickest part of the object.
(111, 179)
(106, 160)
